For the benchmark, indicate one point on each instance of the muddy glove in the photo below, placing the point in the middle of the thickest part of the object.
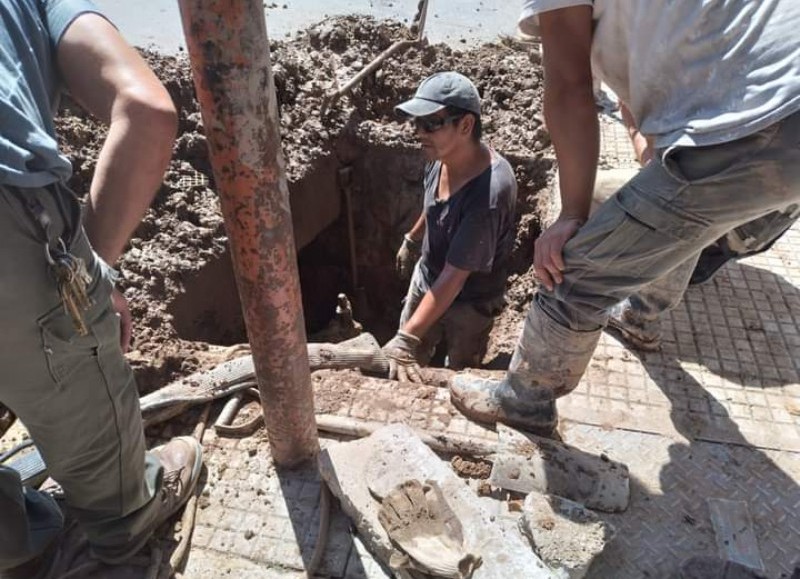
(401, 351)
(426, 533)
(407, 257)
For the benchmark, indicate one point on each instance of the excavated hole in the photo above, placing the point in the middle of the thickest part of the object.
(386, 200)
(386, 189)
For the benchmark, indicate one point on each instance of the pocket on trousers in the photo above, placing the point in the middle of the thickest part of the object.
(624, 233)
(67, 352)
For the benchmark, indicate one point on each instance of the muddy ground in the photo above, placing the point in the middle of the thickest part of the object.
(176, 272)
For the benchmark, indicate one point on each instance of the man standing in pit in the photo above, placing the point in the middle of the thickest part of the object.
(716, 87)
(64, 324)
(466, 232)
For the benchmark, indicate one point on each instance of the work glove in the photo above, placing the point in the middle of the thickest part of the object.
(401, 351)
(426, 534)
(407, 257)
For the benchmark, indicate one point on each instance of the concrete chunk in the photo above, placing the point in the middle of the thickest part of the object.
(526, 463)
(736, 536)
(395, 454)
(567, 536)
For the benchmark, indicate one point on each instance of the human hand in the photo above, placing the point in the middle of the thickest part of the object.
(407, 257)
(548, 261)
(120, 305)
(401, 351)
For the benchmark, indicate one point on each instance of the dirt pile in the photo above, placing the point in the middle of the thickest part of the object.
(183, 232)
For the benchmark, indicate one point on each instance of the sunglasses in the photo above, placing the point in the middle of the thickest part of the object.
(431, 124)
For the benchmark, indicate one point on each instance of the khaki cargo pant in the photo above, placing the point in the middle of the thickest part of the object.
(647, 238)
(76, 395)
(464, 327)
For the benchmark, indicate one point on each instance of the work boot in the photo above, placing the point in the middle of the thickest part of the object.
(636, 331)
(182, 459)
(548, 363)
(704, 567)
(492, 401)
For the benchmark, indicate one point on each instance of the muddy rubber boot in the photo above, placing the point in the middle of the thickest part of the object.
(704, 567)
(636, 330)
(548, 363)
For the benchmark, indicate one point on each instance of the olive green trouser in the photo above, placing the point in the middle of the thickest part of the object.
(465, 326)
(75, 394)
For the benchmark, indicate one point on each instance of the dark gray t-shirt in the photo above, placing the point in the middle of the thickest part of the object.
(472, 230)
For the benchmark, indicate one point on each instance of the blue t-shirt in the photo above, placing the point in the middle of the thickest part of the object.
(30, 87)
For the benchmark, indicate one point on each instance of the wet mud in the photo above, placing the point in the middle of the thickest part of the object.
(176, 272)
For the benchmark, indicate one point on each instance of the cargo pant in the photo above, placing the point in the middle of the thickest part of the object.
(651, 233)
(75, 394)
(465, 326)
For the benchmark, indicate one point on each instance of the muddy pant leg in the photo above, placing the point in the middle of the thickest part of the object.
(641, 312)
(751, 238)
(658, 221)
(417, 288)
(466, 330)
(75, 394)
(761, 234)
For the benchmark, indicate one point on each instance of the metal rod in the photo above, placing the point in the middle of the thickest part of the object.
(418, 28)
(229, 52)
(346, 181)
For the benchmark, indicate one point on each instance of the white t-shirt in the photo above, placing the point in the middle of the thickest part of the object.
(694, 72)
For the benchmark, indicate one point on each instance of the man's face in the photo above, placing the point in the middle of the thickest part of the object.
(440, 133)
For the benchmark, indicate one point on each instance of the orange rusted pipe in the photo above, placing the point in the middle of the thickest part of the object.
(229, 52)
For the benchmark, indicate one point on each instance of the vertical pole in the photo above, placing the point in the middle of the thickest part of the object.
(229, 52)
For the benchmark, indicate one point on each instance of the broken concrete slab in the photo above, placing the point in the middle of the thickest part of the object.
(526, 463)
(736, 537)
(394, 455)
(567, 536)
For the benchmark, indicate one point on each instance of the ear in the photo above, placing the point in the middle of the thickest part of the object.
(465, 125)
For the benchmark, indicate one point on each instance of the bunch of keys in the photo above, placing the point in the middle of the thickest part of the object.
(73, 282)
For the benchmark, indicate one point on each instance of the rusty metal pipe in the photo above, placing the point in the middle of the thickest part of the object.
(229, 52)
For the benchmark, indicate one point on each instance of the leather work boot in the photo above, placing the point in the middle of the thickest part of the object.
(182, 459)
(714, 568)
(635, 331)
(492, 401)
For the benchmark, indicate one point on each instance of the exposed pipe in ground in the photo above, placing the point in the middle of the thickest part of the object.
(229, 53)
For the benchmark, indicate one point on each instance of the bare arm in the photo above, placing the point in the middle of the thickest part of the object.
(417, 232)
(571, 119)
(109, 78)
(436, 302)
(641, 144)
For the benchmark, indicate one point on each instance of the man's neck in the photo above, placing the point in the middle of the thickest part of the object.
(465, 160)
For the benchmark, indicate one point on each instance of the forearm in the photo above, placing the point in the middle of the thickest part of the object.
(436, 301)
(571, 119)
(417, 232)
(112, 81)
(641, 144)
(129, 172)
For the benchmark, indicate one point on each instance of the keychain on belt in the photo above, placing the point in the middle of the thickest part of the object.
(69, 270)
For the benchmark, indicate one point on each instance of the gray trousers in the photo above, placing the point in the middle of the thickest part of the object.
(649, 235)
(75, 394)
(465, 326)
